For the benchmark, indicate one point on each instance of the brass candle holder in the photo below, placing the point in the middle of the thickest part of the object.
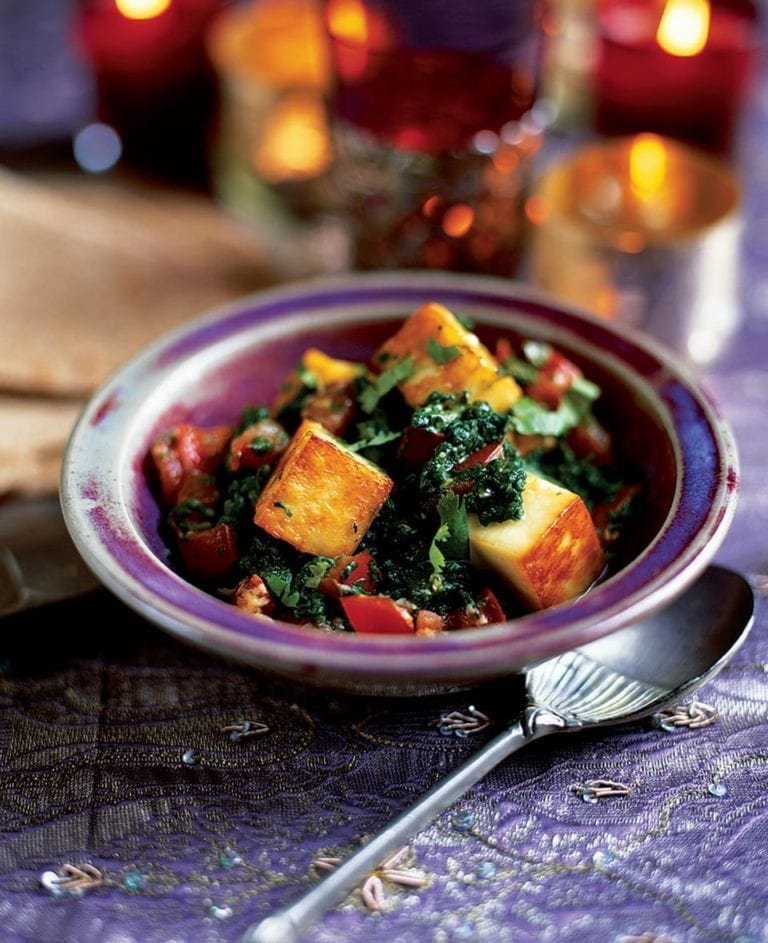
(645, 231)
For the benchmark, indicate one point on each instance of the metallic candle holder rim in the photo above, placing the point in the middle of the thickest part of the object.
(710, 189)
(642, 230)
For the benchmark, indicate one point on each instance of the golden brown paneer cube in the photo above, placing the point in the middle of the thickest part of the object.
(327, 370)
(321, 497)
(447, 359)
(550, 555)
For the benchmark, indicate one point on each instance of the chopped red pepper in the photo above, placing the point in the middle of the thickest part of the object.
(417, 445)
(486, 611)
(260, 444)
(349, 570)
(377, 615)
(553, 379)
(183, 449)
(210, 553)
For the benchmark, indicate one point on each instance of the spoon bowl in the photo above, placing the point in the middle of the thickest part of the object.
(634, 673)
(653, 663)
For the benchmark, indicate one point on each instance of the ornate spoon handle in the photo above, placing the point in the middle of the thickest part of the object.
(285, 925)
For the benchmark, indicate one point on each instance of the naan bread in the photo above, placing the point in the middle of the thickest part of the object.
(90, 272)
(33, 433)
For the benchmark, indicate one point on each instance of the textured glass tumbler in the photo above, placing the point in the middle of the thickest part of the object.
(434, 128)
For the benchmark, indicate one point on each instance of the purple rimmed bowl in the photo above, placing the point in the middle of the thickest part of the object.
(668, 430)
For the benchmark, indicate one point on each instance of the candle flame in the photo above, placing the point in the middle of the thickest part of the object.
(357, 31)
(648, 161)
(347, 20)
(142, 9)
(684, 27)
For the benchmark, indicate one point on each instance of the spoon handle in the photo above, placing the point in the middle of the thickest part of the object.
(284, 926)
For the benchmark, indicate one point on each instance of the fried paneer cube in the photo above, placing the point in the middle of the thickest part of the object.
(447, 358)
(321, 497)
(550, 555)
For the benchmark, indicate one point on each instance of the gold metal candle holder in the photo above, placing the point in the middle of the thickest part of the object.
(645, 231)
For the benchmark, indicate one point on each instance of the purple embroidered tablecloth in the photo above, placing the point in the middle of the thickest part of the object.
(188, 797)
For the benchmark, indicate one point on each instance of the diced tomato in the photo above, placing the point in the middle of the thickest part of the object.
(607, 532)
(503, 349)
(183, 449)
(166, 466)
(349, 570)
(377, 615)
(252, 595)
(197, 492)
(417, 445)
(210, 553)
(198, 486)
(483, 456)
(591, 440)
(260, 444)
(486, 611)
(490, 607)
(333, 407)
(553, 379)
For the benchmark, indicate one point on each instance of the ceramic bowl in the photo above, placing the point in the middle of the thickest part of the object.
(206, 372)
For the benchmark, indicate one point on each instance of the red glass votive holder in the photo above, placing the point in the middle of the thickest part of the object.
(696, 98)
(433, 128)
(153, 79)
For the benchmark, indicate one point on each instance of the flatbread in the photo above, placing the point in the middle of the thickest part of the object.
(33, 433)
(92, 271)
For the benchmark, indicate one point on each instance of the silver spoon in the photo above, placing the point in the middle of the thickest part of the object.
(623, 677)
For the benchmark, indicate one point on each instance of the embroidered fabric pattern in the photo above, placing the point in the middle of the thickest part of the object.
(111, 832)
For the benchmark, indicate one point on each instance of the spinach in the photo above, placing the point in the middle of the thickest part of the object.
(292, 577)
(438, 411)
(240, 497)
(496, 492)
(479, 425)
(593, 484)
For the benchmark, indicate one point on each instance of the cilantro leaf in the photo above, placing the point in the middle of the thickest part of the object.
(385, 382)
(316, 570)
(453, 517)
(530, 417)
(281, 588)
(442, 354)
(379, 438)
(451, 540)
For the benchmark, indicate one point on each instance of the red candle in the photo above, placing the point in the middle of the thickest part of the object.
(651, 75)
(145, 45)
(154, 81)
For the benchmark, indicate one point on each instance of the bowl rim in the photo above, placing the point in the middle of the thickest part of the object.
(98, 503)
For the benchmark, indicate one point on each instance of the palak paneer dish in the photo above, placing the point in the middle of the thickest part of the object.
(440, 486)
